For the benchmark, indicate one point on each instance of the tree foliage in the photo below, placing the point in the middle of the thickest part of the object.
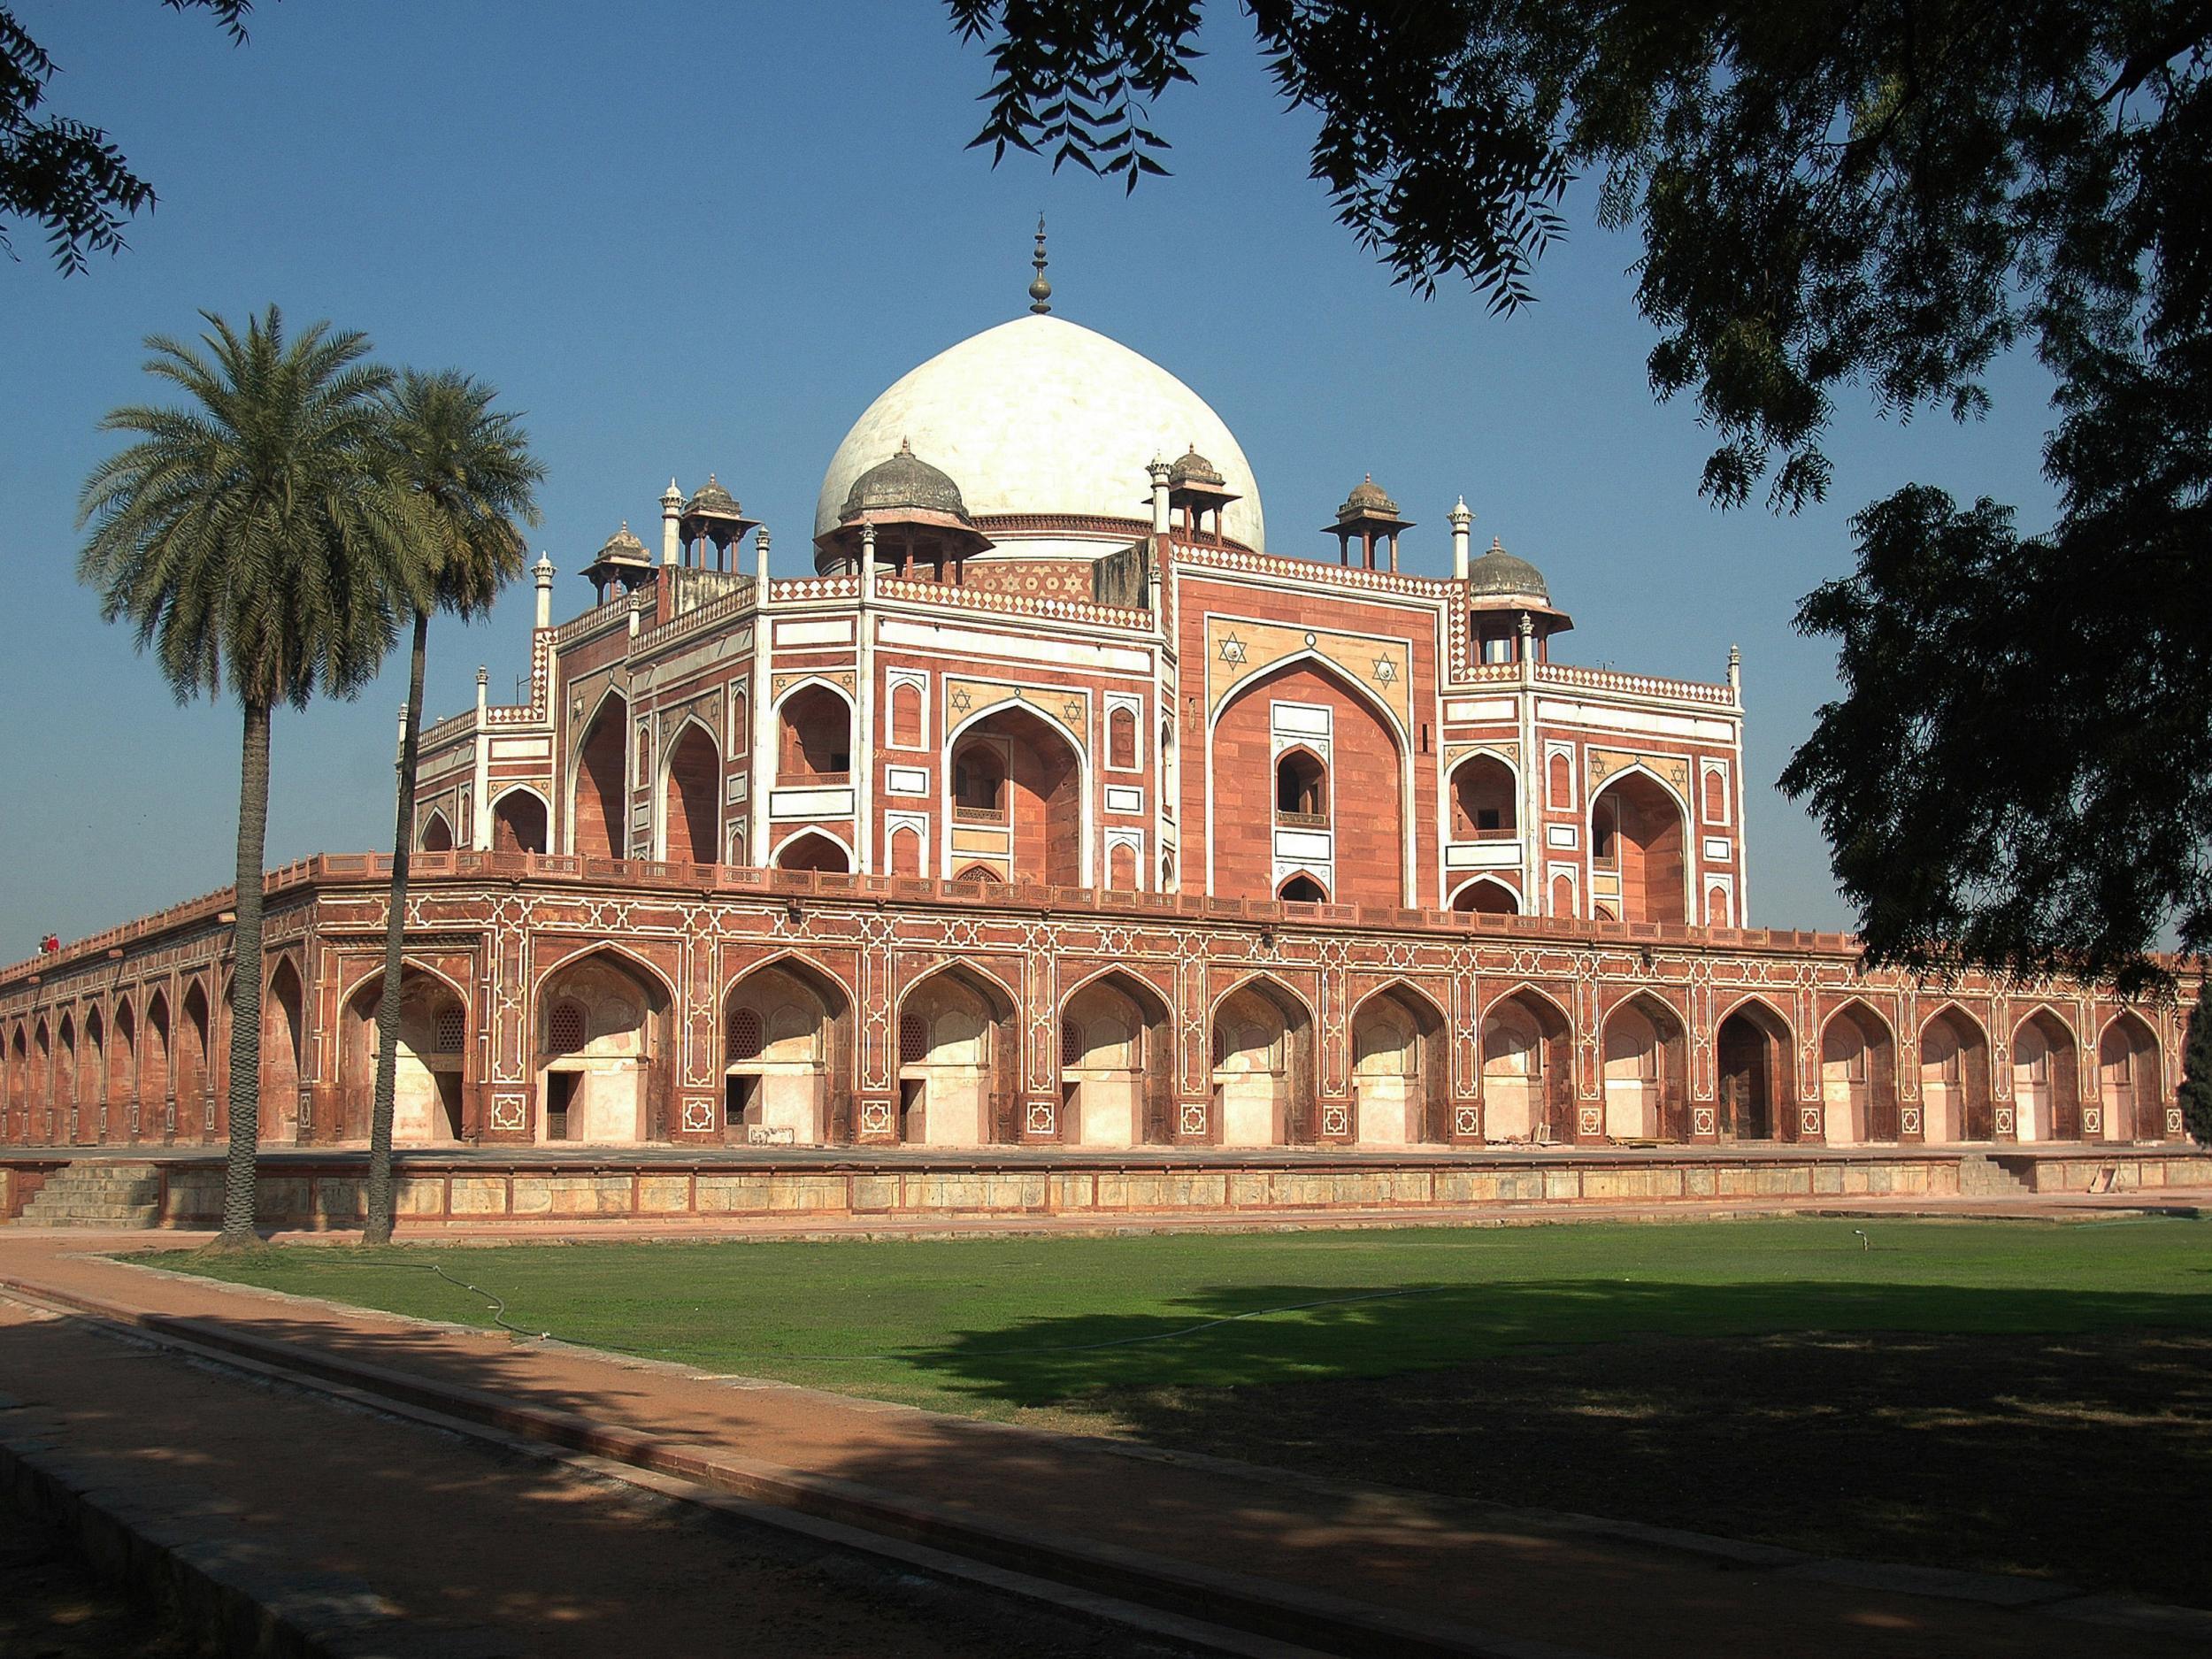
(64, 174)
(254, 538)
(2196, 1069)
(1876, 198)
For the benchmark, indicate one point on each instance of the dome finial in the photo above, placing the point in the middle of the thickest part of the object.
(1039, 290)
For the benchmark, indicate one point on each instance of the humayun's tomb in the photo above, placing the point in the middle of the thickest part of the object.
(1047, 821)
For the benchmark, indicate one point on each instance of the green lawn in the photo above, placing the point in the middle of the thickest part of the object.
(2018, 1396)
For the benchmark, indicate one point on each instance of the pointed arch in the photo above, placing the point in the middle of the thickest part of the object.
(1260, 1033)
(602, 1046)
(787, 1053)
(1637, 830)
(156, 1076)
(195, 1025)
(1117, 1094)
(691, 794)
(1644, 1043)
(1955, 1075)
(283, 1049)
(122, 1099)
(959, 1033)
(1302, 792)
(1486, 895)
(628, 957)
(2046, 1076)
(522, 820)
(434, 1060)
(1755, 1050)
(1301, 887)
(1858, 1074)
(437, 834)
(1047, 799)
(815, 718)
(2130, 1079)
(814, 849)
(1400, 1067)
(599, 782)
(1483, 795)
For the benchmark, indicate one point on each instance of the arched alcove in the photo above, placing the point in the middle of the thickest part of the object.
(1485, 800)
(2128, 1080)
(2045, 1079)
(603, 1052)
(1646, 1072)
(601, 813)
(816, 741)
(815, 851)
(691, 797)
(1302, 888)
(195, 1112)
(1754, 1099)
(437, 834)
(1117, 1064)
(155, 1077)
(959, 1061)
(1401, 1073)
(92, 1080)
(1262, 1067)
(282, 1029)
(1954, 1101)
(1637, 836)
(430, 1069)
(1486, 895)
(1858, 1077)
(786, 1049)
(1528, 1086)
(1302, 789)
(518, 823)
(1015, 769)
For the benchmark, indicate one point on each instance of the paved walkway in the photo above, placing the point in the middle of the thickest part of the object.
(1588, 1591)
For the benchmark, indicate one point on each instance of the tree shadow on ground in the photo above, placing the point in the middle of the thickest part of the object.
(2055, 1432)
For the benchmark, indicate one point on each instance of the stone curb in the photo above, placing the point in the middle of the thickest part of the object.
(1281, 1614)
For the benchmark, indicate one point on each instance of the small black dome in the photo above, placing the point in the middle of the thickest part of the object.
(904, 482)
(1498, 572)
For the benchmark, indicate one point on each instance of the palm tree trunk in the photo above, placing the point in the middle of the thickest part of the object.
(245, 1023)
(379, 1230)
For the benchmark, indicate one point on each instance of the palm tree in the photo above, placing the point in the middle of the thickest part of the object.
(252, 537)
(470, 474)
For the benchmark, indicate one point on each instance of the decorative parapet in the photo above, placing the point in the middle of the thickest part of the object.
(1011, 604)
(614, 614)
(1313, 572)
(1633, 685)
(799, 589)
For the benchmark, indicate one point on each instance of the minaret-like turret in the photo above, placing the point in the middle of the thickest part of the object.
(543, 572)
(671, 515)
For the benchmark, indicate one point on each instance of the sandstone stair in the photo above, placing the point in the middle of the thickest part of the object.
(1981, 1176)
(96, 1193)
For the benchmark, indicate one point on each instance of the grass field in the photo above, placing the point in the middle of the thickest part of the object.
(2006, 1396)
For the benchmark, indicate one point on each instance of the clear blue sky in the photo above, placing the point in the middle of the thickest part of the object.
(685, 236)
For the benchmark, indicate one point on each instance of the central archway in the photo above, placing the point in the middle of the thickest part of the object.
(787, 1072)
(1753, 1048)
(1527, 1071)
(1954, 1101)
(1263, 1070)
(2045, 1079)
(429, 1069)
(1858, 1077)
(2128, 1080)
(1646, 1072)
(1117, 1064)
(1637, 846)
(602, 1042)
(1019, 799)
(1401, 1073)
(959, 1061)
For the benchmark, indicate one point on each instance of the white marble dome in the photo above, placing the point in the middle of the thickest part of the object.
(1043, 416)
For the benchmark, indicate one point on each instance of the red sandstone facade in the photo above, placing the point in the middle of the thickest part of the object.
(1049, 825)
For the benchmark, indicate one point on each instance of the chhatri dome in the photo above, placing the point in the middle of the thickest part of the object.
(1043, 417)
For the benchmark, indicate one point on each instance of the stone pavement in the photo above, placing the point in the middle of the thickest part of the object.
(1510, 1581)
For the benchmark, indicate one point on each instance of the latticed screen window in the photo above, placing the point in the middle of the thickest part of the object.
(451, 1029)
(1071, 1042)
(913, 1038)
(564, 1030)
(744, 1034)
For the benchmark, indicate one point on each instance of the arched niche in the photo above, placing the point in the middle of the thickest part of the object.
(431, 1066)
(196, 1111)
(1117, 1064)
(1755, 1098)
(1302, 888)
(786, 1057)
(65, 1102)
(959, 1061)
(1016, 770)
(1302, 789)
(156, 1075)
(1528, 1084)
(1365, 759)
(604, 1046)
(1400, 1070)
(691, 798)
(813, 850)
(815, 737)
(437, 834)
(2128, 1080)
(18, 1101)
(518, 823)
(1647, 1075)
(1858, 1077)
(1486, 895)
(122, 1082)
(1955, 1099)
(599, 816)
(1262, 1067)
(1485, 800)
(284, 1017)
(2045, 1079)
(1637, 836)
(92, 1080)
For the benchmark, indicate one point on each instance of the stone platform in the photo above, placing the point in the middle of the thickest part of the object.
(679, 1187)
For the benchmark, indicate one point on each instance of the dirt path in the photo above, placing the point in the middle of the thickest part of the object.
(465, 1540)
